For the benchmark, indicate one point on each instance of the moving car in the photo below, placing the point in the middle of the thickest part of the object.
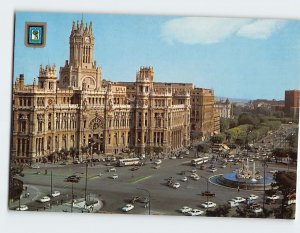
(22, 208)
(208, 194)
(35, 166)
(213, 169)
(195, 212)
(196, 178)
(252, 197)
(55, 194)
(115, 176)
(176, 185)
(239, 199)
(127, 207)
(73, 178)
(185, 209)
(157, 162)
(184, 179)
(208, 204)
(44, 199)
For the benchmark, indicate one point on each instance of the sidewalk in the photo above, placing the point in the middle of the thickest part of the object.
(30, 193)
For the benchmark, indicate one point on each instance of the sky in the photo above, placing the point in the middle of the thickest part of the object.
(236, 57)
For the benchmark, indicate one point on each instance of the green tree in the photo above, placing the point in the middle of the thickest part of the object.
(217, 138)
(204, 147)
(221, 211)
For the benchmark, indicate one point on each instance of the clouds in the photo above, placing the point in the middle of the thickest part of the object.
(204, 30)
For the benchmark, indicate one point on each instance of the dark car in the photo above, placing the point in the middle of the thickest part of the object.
(72, 178)
(208, 194)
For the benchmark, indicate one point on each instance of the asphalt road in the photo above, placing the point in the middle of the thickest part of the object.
(115, 193)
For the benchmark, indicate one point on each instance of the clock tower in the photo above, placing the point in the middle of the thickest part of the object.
(80, 71)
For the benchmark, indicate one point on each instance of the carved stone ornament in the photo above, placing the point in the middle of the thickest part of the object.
(97, 122)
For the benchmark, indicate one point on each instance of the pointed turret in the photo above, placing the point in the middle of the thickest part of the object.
(91, 28)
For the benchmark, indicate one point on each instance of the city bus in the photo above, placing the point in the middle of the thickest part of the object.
(128, 162)
(199, 161)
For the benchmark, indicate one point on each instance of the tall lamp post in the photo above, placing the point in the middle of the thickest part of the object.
(147, 191)
(264, 197)
(206, 186)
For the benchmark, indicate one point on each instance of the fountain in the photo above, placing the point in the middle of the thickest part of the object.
(245, 178)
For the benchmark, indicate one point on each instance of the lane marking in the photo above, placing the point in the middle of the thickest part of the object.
(140, 179)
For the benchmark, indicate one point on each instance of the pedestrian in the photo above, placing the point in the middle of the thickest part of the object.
(238, 188)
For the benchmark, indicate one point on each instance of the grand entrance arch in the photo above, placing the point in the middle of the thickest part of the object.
(96, 141)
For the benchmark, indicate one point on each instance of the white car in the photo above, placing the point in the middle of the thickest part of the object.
(213, 169)
(273, 171)
(173, 157)
(55, 194)
(195, 212)
(208, 204)
(273, 197)
(176, 185)
(239, 199)
(115, 176)
(184, 179)
(35, 166)
(44, 199)
(193, 175)
(196, 177)
(257, 210)
(232, 203)
(127, 207)
(157, 162)
(22, 208)
(252, 197)
(223, 166)
(185, 209)
(193, 170)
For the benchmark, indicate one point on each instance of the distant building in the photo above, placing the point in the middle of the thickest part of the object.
(224, 108)
(269, 104)
(292, 103)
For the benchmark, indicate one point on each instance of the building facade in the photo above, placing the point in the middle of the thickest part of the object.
(224, 108)
(80, 110)
(292, 103)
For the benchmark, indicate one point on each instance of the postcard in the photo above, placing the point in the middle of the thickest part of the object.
(154, 115)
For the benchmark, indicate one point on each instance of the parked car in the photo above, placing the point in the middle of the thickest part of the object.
(257, 210)
(253, 197)
(44, 199)
(35, 166)
(55, 194)
(185, 209)
(232, 203)
(196, 178)
(208, 194)
(115, 176)
(22, 208)
(76, 162)
(239, 199)
(273, 197)
(127, 207)
(208, 204)
(195, 212)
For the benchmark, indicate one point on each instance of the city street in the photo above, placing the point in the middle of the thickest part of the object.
(115, 193)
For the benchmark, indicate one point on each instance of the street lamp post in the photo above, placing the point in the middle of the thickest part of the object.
(85, 188)
(264, 197)
(147, 191)
(206, 186)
